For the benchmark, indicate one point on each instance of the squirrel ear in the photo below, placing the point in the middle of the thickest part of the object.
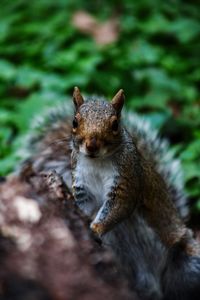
(118, 101)
(77, 98)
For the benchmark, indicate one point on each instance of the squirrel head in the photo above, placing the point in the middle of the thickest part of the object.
(96, 128)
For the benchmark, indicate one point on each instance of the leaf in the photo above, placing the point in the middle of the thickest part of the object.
(7, 70)
(185, 29)
(33, 106)
(157, 23)
(28, 77)
(54, 82)
(157, 119)
(143, 52)
(192, 152)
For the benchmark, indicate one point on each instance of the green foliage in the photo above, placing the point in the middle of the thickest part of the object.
(155, 59)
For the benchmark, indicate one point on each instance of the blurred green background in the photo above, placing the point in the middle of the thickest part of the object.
(150, 48)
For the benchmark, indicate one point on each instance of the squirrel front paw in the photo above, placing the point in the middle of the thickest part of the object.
(97, 228)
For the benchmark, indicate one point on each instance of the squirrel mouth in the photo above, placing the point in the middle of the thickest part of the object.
(92, 155)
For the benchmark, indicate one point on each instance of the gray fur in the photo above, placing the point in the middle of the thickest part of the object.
(140, 254)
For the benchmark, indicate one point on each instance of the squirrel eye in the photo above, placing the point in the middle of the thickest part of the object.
(75, 123)
(115, 125)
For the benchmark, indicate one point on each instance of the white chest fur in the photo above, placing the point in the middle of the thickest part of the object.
(96, 175)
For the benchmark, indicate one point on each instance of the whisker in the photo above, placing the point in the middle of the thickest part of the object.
(68, 142)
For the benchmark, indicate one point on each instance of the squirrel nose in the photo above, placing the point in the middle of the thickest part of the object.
(92, 145)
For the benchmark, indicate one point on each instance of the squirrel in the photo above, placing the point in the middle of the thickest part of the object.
(121, 183)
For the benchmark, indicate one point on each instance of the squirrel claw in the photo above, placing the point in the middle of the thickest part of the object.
(97, 228)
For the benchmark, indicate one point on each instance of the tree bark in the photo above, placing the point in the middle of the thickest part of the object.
(46, 248)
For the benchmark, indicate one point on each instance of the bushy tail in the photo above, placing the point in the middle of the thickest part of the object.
(157, 150)
(48, 144)
(181, 277)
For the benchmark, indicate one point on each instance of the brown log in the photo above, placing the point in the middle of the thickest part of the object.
(46, 248)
